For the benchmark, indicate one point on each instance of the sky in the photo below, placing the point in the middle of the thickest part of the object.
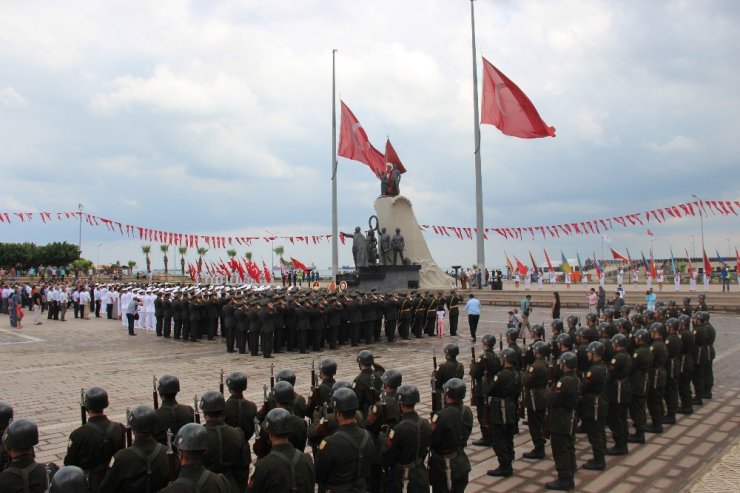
(214, 117)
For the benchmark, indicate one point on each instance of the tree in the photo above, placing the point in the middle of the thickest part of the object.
(248, 256)
(165, 249)
(183, 250)
(131, 265)
(279, 251)
(25, 255)
(146, 250)
(588, 264)
(57, 253)
(81, 264)
(231, 253)
(201, 251)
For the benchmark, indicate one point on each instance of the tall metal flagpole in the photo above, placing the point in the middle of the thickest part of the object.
(481, 256)
(334, 226)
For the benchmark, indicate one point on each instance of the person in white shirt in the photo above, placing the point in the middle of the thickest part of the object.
(527, 280)
(105, 300)
(706, 280)
(584, 279)
(620, 276)
(114, 304)
(660, 279)
(602, 279)
(635, 277)
(677, 281)
(62, 299)
(567, 280)
(553, 280)
(97, 293)
(123, 302)
(76, 302)
(539, 280)
(85, 303)
(148, 307)
(692, 281)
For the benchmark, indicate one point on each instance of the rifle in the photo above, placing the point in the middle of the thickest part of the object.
(373, 390)
(155, 396)
(171, 458)
(435, 401)
(196, 414)
(500, 343)
(434, 358)
(546, 426)
(272, 376)
(522, 411)
(315, 391)
(313, 373)
(221, 384)
(129, 438)
(83, 412)
(263, 411)
(473, 386)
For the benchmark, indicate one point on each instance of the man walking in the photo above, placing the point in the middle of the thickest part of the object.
(473, 309)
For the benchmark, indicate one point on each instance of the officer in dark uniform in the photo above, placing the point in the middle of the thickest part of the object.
(19, 439)
(191, 443)
(657, 375)
(69, 479)
(253, 331)
(324, 421)
(285, 468)
(143, 467)
(290, 323)
(451, 426)
(642, 363)
(390, 314)
(240, 321)
(573, 324)
(240, 412)
(158, 314)
(298, 406)
(451, 368)
(327, 370)
(594, 406)
(170, 415)
(368, 381)
(482, 372)
(511, 337)
(431, 315)
(194, 309)
(405, 446)
(528, 355)
(673, 371)
(185, 316)
(404, 316)
(503, 392)
(229, 312)
(534, 380)
(561, 408)
(420, 308)
(382, 415)
(343, 458)
(92, 445)
(619, 395)
(453, 301)
(556, 327)
(333, 313)
(167, 315)
(283, 396)
(6, 416)
(176, 307)
(227, 451)
(711, 334)
(267, 327)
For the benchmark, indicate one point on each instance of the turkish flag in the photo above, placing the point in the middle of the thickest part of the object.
(355, 145)
(618, 256)
(508, 108)
(392, 157)
(299, 265)
(268, 276)
(707, 265)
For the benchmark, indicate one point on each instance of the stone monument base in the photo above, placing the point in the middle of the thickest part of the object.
(383, 278)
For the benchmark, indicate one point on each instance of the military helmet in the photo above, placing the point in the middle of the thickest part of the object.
(284, 392)
(672, 323)
(609, 313)
(339, 385)
(572, 320)
(168, 384)
(702, 297)
(557, 324)
(192, 436)
(365, 357)
(603, 327)
(21, 434)
(392, 378)
(703, 316)
(455, 389)
(662, 311)
(626, 309)
(142, 419)
(542, 348)
(489, 340)
(592, 318)
(96, 399)
(564, 340)
(508, 354)
(538, 330)
(649, 315)
(279, 421)
(581, 331)
(237, 381)
(408, 395)
(568, 359)
(624, 324)
(212, 401)
(285, 375)
(512, 333)
(344, 400)
(596, 347)
(637, 319)
(642, 335)
(6, 414)
(659, 328)
(619, 340)
(684, 319)
(69, 479)
(452, 349)
(686, 300)
(328, 367)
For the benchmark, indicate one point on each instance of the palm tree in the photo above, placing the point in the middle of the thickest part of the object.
(248, 256)
(279, 251)
(165, 250)
(146, 250)
(131, 265)
(201, 251)
(183, 250)
(231, 253)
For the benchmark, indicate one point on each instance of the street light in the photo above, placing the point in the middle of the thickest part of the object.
(693, 252)
(701, 218)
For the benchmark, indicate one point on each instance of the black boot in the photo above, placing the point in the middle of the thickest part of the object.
(483, 442)
(595, 465)
(637, 438)
(617, 450)
(536, 453)
(669, 419)
(561, 484)
(685, 410)
(501, 472)
(654, 428)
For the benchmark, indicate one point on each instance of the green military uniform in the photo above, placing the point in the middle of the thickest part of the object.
(503, 393)
(343, 460)
(561, 408)
(384, 413)
(92, 445)
(534, 380)
(447, 370)
(593, 408)
(283, 469)
(403, 453)
(240, 413)
(227, 453)
(12, 478)
(701, 362)
(367, 382)
(673, 373)
(619, 396)
(711, 334)
(129, 467)
(453, 301)
(323, 427)
(404, 317)
(448, 465)
(656, 387)
(642, 362)
(172, 416)
(197, 478)
(482, 372)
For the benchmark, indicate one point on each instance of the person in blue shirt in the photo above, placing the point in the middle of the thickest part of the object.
(473, 309)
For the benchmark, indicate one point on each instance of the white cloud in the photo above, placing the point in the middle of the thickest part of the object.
(10, 98)
(679, 143)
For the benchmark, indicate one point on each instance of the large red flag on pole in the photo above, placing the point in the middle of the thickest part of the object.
(707, 265)
(689, 267)
(534, 264)
(549, 264)
(392, 157)
(619, 256)
(508, 108)
(299, 265)
(355, 145)
(268, 276)
(520, 267)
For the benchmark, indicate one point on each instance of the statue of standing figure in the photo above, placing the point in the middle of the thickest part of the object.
(398, 245)
(384, 247)
(359, 248)
(372, 248)
(390, 181)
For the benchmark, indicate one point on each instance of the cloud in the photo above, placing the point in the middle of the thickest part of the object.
(10, 98)
(679, 143)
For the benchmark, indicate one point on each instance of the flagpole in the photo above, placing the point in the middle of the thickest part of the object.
(481, 258)
(334, 226)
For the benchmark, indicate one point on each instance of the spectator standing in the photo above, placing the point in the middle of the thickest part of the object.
(473, 309)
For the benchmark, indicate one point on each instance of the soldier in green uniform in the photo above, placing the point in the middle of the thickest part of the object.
(92, 445)
(170, 415)
(561, 408)
(451, 368)
(22, 473)
(503, 393)
(656, 387)
(673, 371)
(482, 372)
(382, 415)
(327, 370)
(431, 315)
(642, 362)
(298, 406)
(6, 416)
(420, 309)
(449, 466)
(283, 397)
(404, 316)
(177, 316)
(594, 406)
(229, 313)
(711, 334)
(167, 315)
(191, 443)
(619, 395)
(324, 422)
(285, 468)
(534, 380)
(453, 302)
(368, 381)
(511, 337)
(556, 327)
(405, 446)
(69, 479)
(143, 467)
(227, 451)
(343, 458)
(240, 412)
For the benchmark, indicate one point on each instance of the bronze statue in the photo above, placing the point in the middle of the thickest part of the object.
(398, 245)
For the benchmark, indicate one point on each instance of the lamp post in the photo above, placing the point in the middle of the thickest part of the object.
(79, 239)
(693, 251)
(272, 252)
(701, 218)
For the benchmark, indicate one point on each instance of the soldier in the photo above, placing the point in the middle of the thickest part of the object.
(6, 416)
(673, 371)
(240, 412)
(556, 327)
(534, 380)
(420, 307)
(711, 334)
(368, 381)
(404, 317)
(390, 314)
(23, 474)
(319, 397)
(642, 363)
(324, 422)
(405, 446)
(502, 396)
(511, 337)
(451, 368)
(619, 395)
(229, 311)
(143, 467)
(279, 318)
(298, 406)
(191, 443)
(561, 409)
(158, 314)
(482, 372)
(92, 445)
(343, 458)
(453, 301)
(448, 465)
(226, 451)
(573, 324)
(538, 334)
(291, 323)
(69, 479)
(285, 468)
(284, 397)
(354, 317)
(170, 415)
(240, 322)
(657, 376)
(253, 330)
(167, 314)
(333, 314)
(594, 406)
(267, 327)
(431, 315)
(382, 415)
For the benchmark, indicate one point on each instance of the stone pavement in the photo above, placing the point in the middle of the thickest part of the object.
(43, 368)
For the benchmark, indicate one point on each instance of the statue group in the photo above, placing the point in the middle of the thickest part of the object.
(390, 181)
(367, 251)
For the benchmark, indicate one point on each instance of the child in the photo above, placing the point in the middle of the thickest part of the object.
(440, 320)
